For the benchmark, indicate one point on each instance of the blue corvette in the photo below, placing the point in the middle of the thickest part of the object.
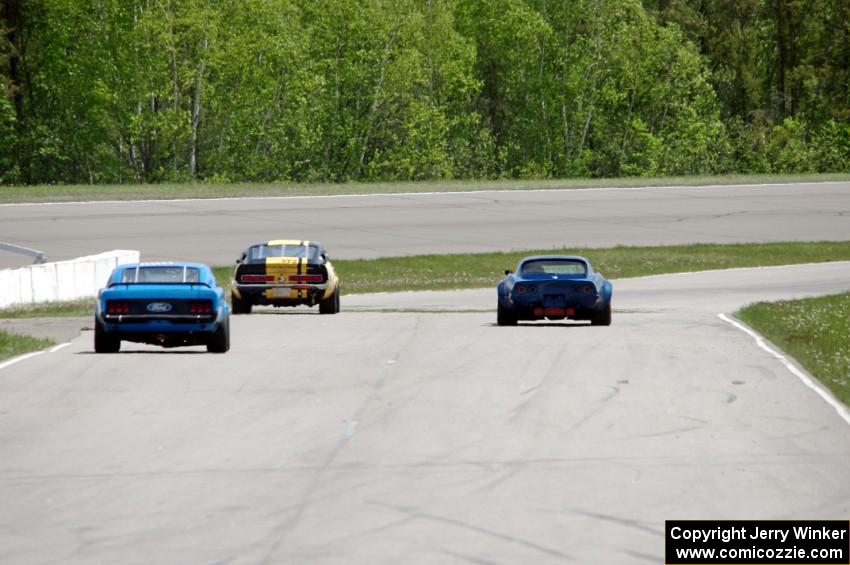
(167, 304)
(555, 287)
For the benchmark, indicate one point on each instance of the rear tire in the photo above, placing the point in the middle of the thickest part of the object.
(239, 305)
(220, 340)
(330, 305)
(505, 317)
(602, 318)
(103, 342)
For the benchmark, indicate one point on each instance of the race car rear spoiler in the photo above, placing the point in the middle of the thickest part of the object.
(126, 283)
(135, 270)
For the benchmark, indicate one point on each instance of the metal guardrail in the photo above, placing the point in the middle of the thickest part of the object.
(38, 256)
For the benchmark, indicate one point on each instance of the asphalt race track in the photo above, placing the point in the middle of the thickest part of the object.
(411, 429)
(216, 231)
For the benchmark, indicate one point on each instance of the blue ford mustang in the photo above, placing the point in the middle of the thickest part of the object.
(555, 287)
(167, 304)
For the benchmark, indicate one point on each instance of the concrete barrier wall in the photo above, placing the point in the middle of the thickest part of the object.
(62, 280)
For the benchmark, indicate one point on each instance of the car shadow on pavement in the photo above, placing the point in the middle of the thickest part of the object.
(280, 312)
(541, 325)
(146, 352)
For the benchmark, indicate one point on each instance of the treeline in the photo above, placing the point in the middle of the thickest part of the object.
(338, 90)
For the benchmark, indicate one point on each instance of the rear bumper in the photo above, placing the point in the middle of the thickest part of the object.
(142, 324)
(553, 313)
(297, 294)
(540, 309)
(124, 319)
(160, 326)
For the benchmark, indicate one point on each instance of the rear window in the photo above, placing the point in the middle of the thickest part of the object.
(554, 267)
(161, 275)
(259, 252)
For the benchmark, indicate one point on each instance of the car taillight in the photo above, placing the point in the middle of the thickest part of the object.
(520, 289)
(305, 278)
(200, 307)
(257, 278)
(586, 288)
(117, 307)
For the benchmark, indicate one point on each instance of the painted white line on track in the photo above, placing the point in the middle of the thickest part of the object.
(407, 194)
(26, 356)
(20, 358)
(806, 378)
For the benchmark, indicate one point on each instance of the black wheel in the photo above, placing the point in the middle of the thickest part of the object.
(103, 342)
(330, 305)
(602, 318)
(239, 305)
(220, 340)
(505, 317)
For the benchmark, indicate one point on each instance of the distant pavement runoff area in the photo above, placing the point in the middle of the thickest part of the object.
(367, 226)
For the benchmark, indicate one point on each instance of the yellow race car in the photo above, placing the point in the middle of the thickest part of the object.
(285, 272)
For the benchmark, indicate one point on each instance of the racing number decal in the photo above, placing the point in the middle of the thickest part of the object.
(280, 268)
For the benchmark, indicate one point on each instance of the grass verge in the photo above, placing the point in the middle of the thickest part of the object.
(51, 309)
(478, 270)
(814, 331)
(168, 191)
(12, 345)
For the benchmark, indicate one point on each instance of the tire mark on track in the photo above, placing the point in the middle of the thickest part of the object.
(626, 522)
(421, 515)
(532, 392)
(285, 527)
